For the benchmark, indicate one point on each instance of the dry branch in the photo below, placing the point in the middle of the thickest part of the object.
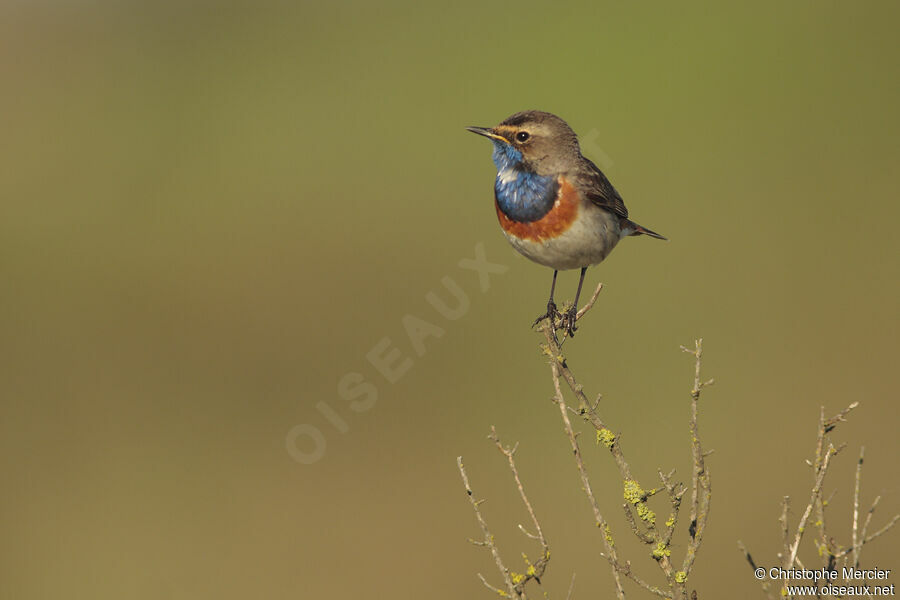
(831, 552)
(640, 518)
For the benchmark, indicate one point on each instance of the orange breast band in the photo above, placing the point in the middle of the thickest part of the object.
(557, 220)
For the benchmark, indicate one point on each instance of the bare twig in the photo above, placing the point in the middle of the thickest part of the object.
(627, 572)
(831, 552)
(883, 530)
(791, 556)
(571, 588)
(860, 537)
(675, 491)
(608, 542)
(765, 584)
(536, 569)
(700, 487)
(488, 538)
(855, 534)
(826, 544)
(590, 303)
(637, 514)
(785, 535)
(496, 590)
(641, 519)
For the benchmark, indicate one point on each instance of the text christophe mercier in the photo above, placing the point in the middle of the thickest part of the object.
(846, 573)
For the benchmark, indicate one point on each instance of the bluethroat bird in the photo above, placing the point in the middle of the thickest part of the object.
(555, 206)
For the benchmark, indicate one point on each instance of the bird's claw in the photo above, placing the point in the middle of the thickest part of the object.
(567, 322)
(552, 314)
(559, 321)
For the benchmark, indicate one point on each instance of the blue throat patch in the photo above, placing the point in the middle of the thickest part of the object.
(523, 196)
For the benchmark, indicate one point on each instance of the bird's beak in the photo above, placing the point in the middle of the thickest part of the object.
(487, 132)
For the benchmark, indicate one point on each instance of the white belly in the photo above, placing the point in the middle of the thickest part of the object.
(586, 242)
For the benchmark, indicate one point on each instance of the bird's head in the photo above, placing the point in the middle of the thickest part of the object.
(534, 141)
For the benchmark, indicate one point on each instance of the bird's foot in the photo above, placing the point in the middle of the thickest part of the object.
(552, 314)
(567, 321)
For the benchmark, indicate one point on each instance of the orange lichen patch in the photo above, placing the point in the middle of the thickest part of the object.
(557, 220)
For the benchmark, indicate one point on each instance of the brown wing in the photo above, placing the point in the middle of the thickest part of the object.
(600, 191)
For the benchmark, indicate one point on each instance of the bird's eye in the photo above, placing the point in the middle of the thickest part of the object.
(522, 136)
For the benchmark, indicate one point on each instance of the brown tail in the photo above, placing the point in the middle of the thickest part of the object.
(638, 230)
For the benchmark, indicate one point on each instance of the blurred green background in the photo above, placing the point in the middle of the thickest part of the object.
(210, 212)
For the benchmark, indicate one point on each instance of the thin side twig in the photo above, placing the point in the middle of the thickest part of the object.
(791, 556)
(488, 538)
(832, 553)
(590, 303)
(608, 542)
(765, 584)
(646, 530)
(541, 564)
(785, 534)
(571, 588)
(855, 533)
(627, 572)
(700, 484)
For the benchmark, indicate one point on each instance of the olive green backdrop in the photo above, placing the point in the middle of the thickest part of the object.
(210, 213)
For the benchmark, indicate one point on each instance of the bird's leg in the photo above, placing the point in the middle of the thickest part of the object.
(551, 313)
(568, 319)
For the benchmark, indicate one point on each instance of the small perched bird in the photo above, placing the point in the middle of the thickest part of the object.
(555, 206)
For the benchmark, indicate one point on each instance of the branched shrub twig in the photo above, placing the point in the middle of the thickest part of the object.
(834, 555)
(640, 518)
